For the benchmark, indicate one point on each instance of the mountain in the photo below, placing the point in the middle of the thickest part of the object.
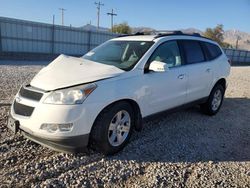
(142, 29)
(89, 27)
(192, 30)
(230, 36)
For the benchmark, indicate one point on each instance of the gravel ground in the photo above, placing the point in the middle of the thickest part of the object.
(184, 149)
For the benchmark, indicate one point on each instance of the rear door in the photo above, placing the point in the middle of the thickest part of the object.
(199, 70)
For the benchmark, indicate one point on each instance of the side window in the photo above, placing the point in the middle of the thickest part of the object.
(193, 51)
(168, 53)
(214, 50)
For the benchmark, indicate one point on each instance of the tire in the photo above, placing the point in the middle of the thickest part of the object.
(211, 107)
(108, 126)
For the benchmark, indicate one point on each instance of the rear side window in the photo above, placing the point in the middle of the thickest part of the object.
(193, 51)
(213, 50)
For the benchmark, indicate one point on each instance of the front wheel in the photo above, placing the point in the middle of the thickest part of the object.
(214, 102)
(112, 128)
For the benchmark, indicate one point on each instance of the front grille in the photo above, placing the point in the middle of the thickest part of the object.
(30, 94)
(22, 109)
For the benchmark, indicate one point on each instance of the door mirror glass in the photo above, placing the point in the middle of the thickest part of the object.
(158, 66)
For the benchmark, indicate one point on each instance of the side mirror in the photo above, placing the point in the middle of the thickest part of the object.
(158, 66)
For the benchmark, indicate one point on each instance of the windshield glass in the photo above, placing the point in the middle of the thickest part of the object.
(122, 54)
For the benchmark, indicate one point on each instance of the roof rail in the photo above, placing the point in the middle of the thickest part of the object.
(169, 33)
(126, 35)
(161, 32)
(197, 34)
(139, 33)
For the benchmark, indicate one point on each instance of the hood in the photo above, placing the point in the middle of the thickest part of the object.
(67, 71)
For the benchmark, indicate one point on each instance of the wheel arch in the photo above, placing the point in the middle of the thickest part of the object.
(221, 81)
(136, 108)
(206, 107)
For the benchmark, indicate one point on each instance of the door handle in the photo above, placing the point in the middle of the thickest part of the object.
(181, 76)
(208, 70)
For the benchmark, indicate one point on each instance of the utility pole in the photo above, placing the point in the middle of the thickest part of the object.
(53, 19)
(112, 14)
(237, 42)
(62, 9)
(53, 35)
(1, 47)
(98, 6)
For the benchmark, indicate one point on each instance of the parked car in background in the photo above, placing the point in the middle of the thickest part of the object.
(98, 99)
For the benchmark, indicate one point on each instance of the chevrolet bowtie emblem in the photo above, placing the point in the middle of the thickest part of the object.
(18, 99)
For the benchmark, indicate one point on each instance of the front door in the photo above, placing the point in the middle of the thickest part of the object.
(166, 89)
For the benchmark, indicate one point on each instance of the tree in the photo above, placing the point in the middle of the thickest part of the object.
(217, 34)
(247, 41)
(122, 28)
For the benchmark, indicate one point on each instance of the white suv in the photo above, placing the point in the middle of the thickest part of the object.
(98, 99)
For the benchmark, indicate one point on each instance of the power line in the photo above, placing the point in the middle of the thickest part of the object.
(62, 9)
(99, 4)
(112, 14)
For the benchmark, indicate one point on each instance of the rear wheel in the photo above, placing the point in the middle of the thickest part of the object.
(113, 128)
(214, 102)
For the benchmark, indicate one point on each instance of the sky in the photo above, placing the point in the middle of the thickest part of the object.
(157, 14)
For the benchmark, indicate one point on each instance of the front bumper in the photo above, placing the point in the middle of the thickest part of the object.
(72, 144)
(28, 113)
(32, 113)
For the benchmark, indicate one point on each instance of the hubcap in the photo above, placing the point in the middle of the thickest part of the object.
(119, 128)
(216, 100)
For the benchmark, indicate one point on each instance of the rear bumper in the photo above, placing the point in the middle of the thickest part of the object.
(72, 144)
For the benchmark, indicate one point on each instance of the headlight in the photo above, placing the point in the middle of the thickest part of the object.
(74, 95)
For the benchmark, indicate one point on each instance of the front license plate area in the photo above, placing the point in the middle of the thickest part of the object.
(13, 125)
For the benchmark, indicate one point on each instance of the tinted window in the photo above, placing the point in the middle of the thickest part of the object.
(168, 53)
(214, 50)
(193, 51)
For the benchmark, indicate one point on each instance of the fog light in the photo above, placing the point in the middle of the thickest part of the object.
(57, 127)
(65, 127)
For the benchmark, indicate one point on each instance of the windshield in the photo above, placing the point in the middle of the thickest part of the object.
(122, 54)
